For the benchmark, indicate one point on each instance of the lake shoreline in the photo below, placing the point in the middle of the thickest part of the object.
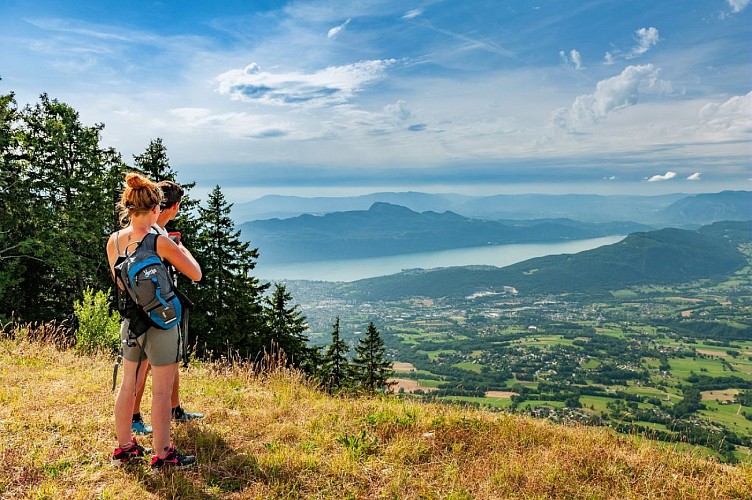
(347, 270)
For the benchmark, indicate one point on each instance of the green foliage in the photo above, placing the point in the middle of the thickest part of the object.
(287, 326)
(359, 446)
(59, 190)
(336, 372)
(372, 370)
(53, 225)
(98, 326)
(229, 314)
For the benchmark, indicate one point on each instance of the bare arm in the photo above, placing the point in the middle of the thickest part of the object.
(179, 257)
(112, 254)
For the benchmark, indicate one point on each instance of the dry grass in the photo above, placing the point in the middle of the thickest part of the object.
(269, 434)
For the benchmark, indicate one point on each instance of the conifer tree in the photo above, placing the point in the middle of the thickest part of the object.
(155, 164)
(287, 326)
(372, 370)
(15, 211)
(228, 314)
(62, 173)
(336, 371)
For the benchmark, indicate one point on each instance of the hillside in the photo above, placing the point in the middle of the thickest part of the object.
(386, 229)
(278, 437)
(656, 257)
(708, 208)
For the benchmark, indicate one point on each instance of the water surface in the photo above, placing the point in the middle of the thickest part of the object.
(355, 269)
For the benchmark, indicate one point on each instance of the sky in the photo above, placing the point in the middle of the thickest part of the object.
(351, 97)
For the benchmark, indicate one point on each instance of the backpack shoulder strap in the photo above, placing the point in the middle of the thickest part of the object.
(117, 243)
(150, 242)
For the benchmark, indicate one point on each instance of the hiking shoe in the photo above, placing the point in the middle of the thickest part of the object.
(172, 459)
(180, 415)
(139, 427)
(124, 455)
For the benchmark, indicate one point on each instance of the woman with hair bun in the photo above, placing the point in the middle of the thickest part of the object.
(140, 207)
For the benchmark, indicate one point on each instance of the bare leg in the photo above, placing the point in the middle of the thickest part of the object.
(162, 378)
(141, 386)
(176, 389)
(125, 400)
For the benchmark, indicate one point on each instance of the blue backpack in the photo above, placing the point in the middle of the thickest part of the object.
(148, 283)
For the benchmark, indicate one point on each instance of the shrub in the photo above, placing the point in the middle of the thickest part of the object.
(98, 326)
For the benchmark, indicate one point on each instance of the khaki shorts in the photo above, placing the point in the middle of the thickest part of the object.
(160, 347)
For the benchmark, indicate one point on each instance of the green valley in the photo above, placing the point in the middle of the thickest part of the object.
(671, 361)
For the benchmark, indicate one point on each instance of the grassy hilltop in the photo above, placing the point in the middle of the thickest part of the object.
(279, 437)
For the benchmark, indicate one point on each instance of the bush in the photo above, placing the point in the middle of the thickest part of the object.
(98, 327)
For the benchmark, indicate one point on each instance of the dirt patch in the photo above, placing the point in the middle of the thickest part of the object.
(684, 299)
(500, 394)
(403, 367)
(409, 385)
(727, 395)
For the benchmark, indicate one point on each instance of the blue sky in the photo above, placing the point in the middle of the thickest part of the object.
(479, 97)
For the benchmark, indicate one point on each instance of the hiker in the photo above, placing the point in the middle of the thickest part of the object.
(140, 205)
(172, 196)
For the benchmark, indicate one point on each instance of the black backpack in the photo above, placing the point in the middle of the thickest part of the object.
(147, 282)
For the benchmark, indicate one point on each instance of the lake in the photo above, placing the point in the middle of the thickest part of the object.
(355, 269)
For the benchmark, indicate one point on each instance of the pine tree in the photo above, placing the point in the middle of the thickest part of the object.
(336, 372)
(372, 370)
(155, 164)
(228, 314)
(287, 326)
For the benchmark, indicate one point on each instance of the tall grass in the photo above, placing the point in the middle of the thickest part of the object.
(269, 433)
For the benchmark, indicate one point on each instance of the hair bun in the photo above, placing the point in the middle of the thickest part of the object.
(135, 180)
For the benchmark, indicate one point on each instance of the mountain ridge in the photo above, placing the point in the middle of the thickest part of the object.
(663, 256)
(387, 229)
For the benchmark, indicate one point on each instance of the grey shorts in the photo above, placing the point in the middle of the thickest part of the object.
(161, 347)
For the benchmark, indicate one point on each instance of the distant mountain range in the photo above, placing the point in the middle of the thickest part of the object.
(703, 209)
(665, 256)
(659, 211)
(387, 229)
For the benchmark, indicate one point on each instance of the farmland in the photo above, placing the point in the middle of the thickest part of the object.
(670, 362)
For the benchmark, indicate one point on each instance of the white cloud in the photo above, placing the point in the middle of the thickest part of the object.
(608, 59)
(329, 86)
(202, 121)
(646, 38)
(611, 94)
(337, 30)
(737, 5)
(695, 177)
(576, 59)
(730, 118)
(665, 177)
(412, 13)
(399, 110)
(573, 58)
